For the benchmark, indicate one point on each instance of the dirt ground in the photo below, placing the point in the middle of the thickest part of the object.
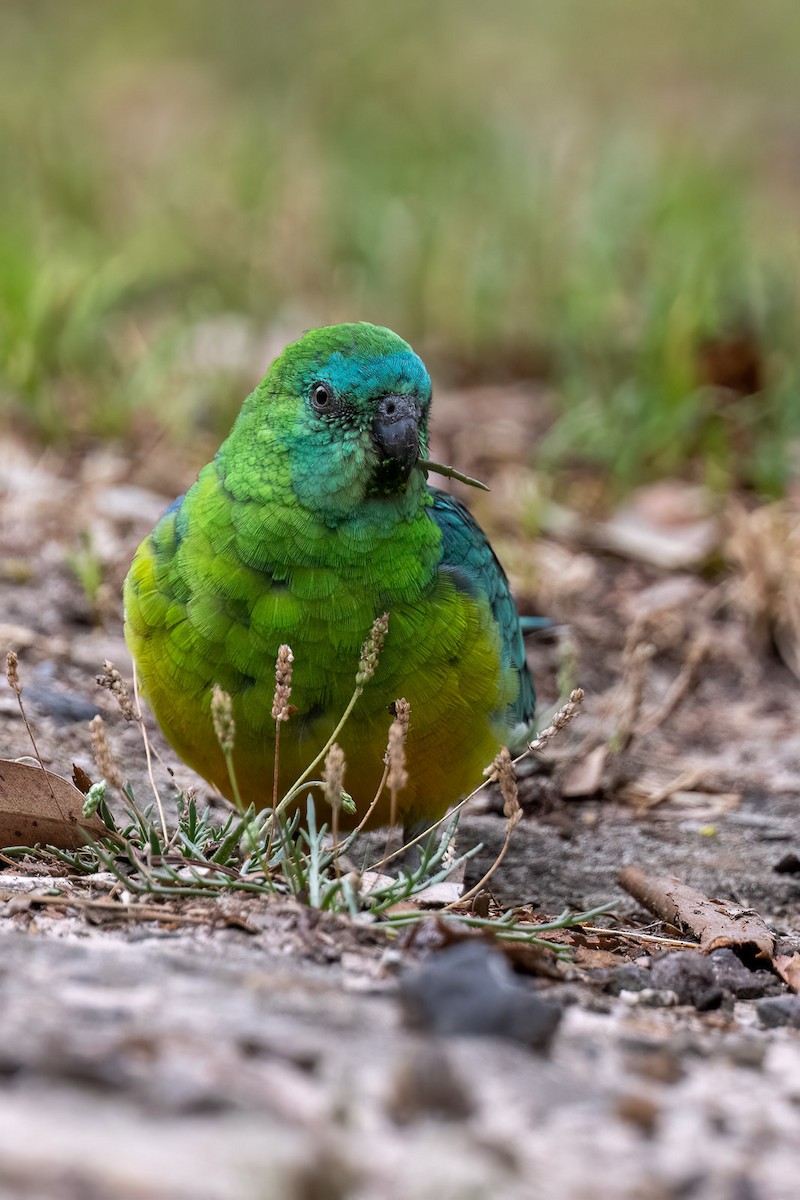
(246, 1049)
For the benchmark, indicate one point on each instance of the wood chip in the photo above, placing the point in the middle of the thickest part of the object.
(713, 922)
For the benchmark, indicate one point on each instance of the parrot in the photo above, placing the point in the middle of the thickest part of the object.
(314, 518)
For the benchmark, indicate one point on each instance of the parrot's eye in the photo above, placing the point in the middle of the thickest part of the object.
(322, 398)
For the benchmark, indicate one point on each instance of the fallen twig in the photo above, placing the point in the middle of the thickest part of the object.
(713, 922)
(143, 912)
(638, 936)
(698, 649)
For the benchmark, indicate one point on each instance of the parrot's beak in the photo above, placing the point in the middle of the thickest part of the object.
(396, 433)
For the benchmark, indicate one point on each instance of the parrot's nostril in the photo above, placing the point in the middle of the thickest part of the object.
(390, 408)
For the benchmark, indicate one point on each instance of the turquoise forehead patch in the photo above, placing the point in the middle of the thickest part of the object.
(374, 375)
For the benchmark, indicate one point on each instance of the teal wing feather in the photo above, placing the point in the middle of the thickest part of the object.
(468, 556)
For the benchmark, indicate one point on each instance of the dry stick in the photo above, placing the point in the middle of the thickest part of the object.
(146, 742)
(697, 651)
(479, 886)
(685, 782)
(451, 473)
(130, 911)
(714, 923)
(639, 937)
(336, 847)
(637, 659)
(12, 674)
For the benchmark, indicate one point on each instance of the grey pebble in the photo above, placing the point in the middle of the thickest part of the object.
(779, 1010)
(469, 988)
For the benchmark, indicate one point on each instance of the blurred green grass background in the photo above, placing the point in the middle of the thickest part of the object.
(602, 196)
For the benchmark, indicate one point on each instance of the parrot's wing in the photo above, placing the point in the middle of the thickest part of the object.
(468, 556)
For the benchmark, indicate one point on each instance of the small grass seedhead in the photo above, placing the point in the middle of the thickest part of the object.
(12, 672)
(111, 679)
(106, 763)
(397, 777)
(281, 709)
(333, 776)
(565, 714)
(371, 650)
(222, 718)
(504, 773)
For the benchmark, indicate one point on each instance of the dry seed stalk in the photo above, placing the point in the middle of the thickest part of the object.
(333, 778)
(637, 660)
(503, 772)
(395, 757)
(562, 718)
(12, 674)
(565, 714)
(281, 709)
(368, 661)
(106, 763)
(113, 681)
(149, 757)
(283, 684)
(371, 650)
(222, 719)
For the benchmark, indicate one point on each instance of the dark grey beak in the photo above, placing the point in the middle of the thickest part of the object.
(396, 433)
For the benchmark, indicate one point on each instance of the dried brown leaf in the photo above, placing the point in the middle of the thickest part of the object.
(38, 807)
(584, 776)
(788, 967)
(81, 780)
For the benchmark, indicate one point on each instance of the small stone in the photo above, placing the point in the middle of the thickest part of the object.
(690, 975)
(650, 998)
(469, 989)
(732, 975)
(426, 1085)
(67, 708)
(598, 1004)
(746, 1051)
(779, 1010)
(625, 978)
(640, 1111)
(658, 1062)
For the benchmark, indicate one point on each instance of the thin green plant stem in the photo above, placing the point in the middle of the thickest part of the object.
(257, 853)
(39, 759)
(357, 829)
(528, 752)
(426, 832)
(298, 783)
(313, 873)
(148, 756)
(276, 766)
(473, 891)
(451, 473)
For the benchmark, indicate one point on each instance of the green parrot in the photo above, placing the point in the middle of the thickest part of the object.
(314, 518)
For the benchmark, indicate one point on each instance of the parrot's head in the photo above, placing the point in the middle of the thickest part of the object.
(349, 406)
